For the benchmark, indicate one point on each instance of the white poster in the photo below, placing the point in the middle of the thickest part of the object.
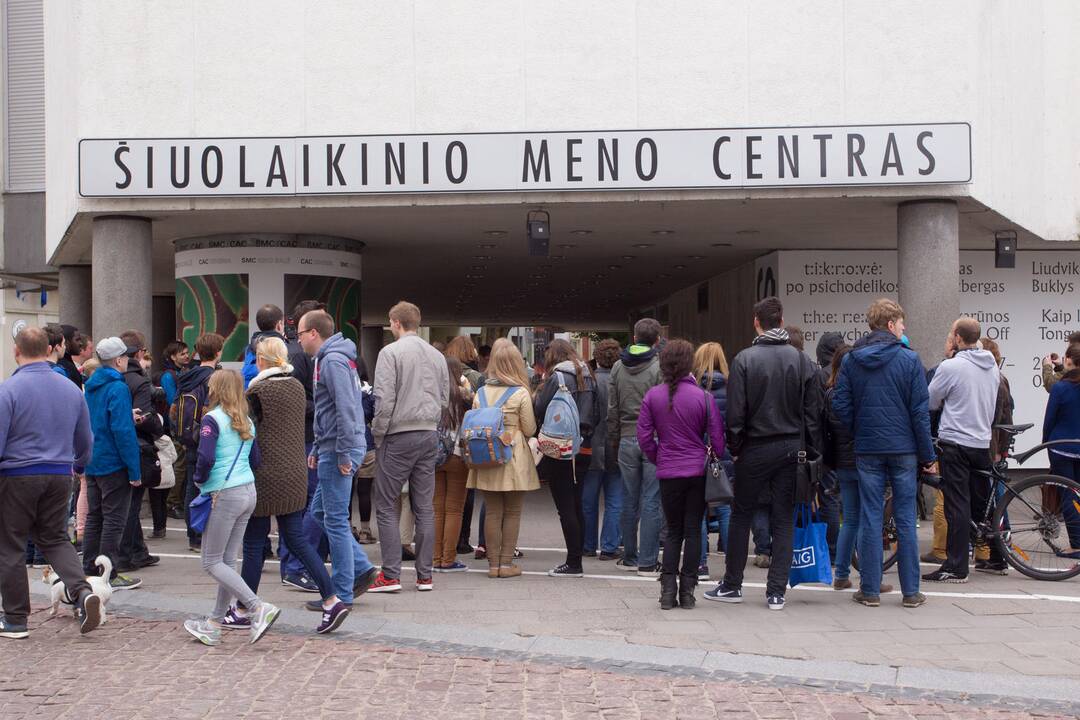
(1029, 310)
(900, 154)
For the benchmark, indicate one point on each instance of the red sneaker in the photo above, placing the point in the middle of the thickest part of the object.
(424, 584)
(384, 584)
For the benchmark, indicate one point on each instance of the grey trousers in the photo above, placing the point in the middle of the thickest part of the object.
(407, 457)
(222, 542)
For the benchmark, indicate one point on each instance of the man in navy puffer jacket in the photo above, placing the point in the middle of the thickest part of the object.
(881, 394)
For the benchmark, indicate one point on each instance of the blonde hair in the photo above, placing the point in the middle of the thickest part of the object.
(90, 366)
(227, 393)
(506, 364)
(407, 314)
(708, 359)
(462, 349)
(273, 352)
(882, 312)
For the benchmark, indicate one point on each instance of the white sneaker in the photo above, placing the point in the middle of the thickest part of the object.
(204, 631)
(262, 620)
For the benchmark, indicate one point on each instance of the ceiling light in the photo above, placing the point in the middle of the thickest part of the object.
(495, 233)
(581, 232)
(721, 244)
(478, 267)
(663, 232)
(557, 257)
(599, 276)
(677, 267)
(488, 246)
(663, 275)
(644, 245)
(614, 267)
(568, 246)
(629, 257)
(746, 232)
(696, 257)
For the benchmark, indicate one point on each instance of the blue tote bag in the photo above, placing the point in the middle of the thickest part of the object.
(810, 550)
(200, 507)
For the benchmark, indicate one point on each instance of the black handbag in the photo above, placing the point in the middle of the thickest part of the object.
(808, 467)
(718, 487)
(149, 466)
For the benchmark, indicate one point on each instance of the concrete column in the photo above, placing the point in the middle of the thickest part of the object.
(928, 253)
(122, 280)
(76, 296)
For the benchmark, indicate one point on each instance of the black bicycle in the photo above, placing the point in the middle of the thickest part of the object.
(1030, 521)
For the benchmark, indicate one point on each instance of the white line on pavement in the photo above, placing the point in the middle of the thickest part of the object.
(630, 577)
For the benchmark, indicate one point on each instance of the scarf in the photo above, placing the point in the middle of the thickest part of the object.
(776, 336)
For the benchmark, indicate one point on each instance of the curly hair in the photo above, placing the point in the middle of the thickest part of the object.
(607, 353)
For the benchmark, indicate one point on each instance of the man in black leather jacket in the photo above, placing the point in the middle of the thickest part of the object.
(774, 402)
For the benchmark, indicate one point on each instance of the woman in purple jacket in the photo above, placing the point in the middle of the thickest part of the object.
(674, 420)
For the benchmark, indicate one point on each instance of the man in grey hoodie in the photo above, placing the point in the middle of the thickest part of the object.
(338, 449)
(412, 388)
(965, 389)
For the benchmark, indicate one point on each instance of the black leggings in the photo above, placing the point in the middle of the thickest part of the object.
(362, 491)
(566, 491)
(683, 500)
(159, 506)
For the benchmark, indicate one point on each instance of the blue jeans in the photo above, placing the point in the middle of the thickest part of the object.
(1070, 468)
(641, 503)
(762, 532)
(849, 530)
(290, 562)
(899, 471)
(330, 509)
(722, 513)
(612, 486)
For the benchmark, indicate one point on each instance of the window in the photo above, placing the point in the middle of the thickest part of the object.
(24, 96)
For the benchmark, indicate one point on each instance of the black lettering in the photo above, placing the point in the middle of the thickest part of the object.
(854, 156)
(536, 162)
(215, 151)
(120, 164)
(187, 166)
(716, 157)
(277, 169)
(363, 163)
(572, 159)
(930, 161)
(822, 140)
(424, 153)
(306, 164)
(149, 166)
(792, 156)
(244, 182)
(333, 157)
(654, 160)
(397, 161)
(751, 156)
(610, 159)
(894, 152)
(460, 147)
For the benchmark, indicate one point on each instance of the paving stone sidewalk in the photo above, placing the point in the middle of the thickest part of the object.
(135, 669)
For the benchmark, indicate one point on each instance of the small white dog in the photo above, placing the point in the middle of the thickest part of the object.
(99, 584)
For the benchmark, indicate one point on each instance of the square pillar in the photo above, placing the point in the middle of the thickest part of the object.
(123, 277)
(928, 259)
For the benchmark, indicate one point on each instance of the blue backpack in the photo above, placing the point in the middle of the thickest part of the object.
(485, 441)
(560, 435)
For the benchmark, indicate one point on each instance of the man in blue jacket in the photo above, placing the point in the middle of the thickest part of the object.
(338, 450)
(881, 394)
(114, 467)
(44, 435)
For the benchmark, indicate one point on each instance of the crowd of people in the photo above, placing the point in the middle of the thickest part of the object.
(622, 440)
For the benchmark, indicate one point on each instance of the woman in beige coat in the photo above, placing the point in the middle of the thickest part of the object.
(504, 487)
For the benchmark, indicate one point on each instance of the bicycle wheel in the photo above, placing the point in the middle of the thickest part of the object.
(1035, 521)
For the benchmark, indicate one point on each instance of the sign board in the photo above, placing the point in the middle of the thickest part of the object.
(1029, 310)
(851, 155)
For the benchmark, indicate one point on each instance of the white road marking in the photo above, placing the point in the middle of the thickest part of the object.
(631, 577)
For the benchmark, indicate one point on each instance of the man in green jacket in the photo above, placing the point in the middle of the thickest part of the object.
(637, 370)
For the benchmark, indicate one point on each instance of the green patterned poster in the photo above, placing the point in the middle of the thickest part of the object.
(341, 295)
(214, 304)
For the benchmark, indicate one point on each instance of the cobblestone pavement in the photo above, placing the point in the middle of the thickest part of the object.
(144, 668)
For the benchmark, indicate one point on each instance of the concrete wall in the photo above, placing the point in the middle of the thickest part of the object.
(276, 67)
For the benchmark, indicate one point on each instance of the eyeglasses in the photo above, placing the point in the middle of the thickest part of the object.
(301, 332)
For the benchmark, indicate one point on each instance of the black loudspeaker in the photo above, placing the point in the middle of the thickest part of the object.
(1005, 251)
(539, 232)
